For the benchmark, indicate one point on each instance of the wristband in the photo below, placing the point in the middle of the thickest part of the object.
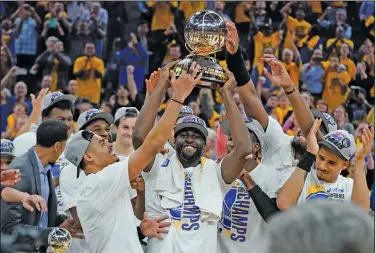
(235, 64)
(290, 92)
(176, 101)
(306, 161)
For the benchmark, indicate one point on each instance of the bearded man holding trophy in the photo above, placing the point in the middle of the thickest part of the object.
(182, 184)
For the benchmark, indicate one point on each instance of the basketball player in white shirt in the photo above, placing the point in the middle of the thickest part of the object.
(103, 204)
(317, 175)
(190, 232)
(99, 123)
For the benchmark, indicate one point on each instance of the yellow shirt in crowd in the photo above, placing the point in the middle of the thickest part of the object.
(333, 93)
(240, 16)
(163, 16)
(350, 67)
(281, 113)
(316, 6)
(300, 28)
(12, 125)
(329, 42)
(90, 88)
(261, 41)
(190, 8)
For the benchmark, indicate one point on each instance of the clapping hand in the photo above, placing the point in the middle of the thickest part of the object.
(10, 177)
(367, 140)
(152, 227)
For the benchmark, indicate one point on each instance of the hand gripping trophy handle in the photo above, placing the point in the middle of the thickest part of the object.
(205, 34)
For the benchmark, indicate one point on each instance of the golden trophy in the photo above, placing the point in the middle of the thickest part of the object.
(205, 34)
(59, 239)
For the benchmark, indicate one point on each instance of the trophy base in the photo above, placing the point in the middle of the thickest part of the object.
(213, 75)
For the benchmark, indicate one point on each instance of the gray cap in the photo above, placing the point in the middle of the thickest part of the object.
(54, 97)
(126, 112)
(91, 115)
(253, 126)
(341, 143)
(77, 146)
(191, 121)
(327, 120)
(185, 111)
(7, 148)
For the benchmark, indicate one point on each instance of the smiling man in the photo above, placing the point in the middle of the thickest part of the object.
(317, 175)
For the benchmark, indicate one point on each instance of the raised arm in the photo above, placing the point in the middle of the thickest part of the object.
(131, 82)
(148, 113)
(280, 77)
(290, 192)
(234, 162)
(360, 192)
(246, 89)
(158, 136)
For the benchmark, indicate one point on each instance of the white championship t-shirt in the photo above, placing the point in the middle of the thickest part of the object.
(277, 153)
(315, 189)
(187, 234)
(105, 211)
(241, 228)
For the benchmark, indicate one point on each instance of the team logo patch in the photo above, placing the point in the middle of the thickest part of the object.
(91, 113)
(7, 147)
(55, 95)
(166, 163)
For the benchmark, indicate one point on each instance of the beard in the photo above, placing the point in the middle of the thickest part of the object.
(188, 157)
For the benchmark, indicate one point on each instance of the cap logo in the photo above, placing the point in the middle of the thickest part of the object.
(186, 110)
(7, 147)
(192, 119)
(55, 95)
(329, 119)
(91, 113)
(338, 140)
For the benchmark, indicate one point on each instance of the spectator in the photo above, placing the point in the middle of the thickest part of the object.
(357, 105)
(143, 37)
(99, 17)
(292, 64)
(54, 63)
(89, 71)
(364, 80)
(219, 6)
(20, 91)
(271, 103)
(6, 109)
(333, 45)
(297, 28)
(367, 9)
(163, 15)
(58, 24)
(346, 61)
(136, 55)
(19, 111)
(211, 144)
(128, 96)
(6, 63)
(312, 73)
(27, 23)
(46, 82)
(8, 38)
(322, 106)
(336, 81)
(72, 87)
(342, 119)
(332, 26)
(7, 154)
(189, 8)
(283, 109)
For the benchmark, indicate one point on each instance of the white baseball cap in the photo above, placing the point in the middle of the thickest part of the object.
(341, 143)
(54, 97)
(91, 115)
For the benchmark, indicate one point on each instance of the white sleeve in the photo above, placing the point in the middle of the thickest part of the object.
(273, 136)
(308, 182)
(132, 193)
(69, 186)
(349, 189)
(109, 185)
(158, 161)
(224, 187)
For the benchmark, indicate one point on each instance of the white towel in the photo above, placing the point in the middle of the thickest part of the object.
(205, 183)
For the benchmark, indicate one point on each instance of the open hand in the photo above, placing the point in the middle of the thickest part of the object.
(279, 74)
(367, 140)
(151, 83)
(232, 42)
(152, 227)
(37, 102)
(312, 145)
(10, 177)
(184, 85)
(34, 200)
